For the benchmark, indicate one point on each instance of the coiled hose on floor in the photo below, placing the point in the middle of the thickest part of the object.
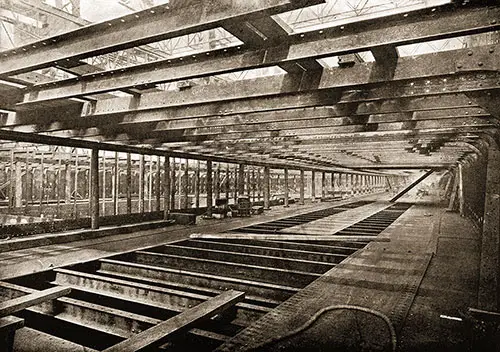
(316, 316)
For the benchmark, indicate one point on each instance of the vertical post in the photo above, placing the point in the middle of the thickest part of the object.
(166, 188)
(227, 184)
(180, 175)
(150, 184)
(158, 184)
(248, 184)
(197, 185)
(116, 185)
(259, 185)
(185, 185)
(489, 276)
(104, 183)
(235, 193)
(253, 183)
(209, 188)
(12, 180)
(141, 183)
(29, 181)
(333, 185)
(301, 187)
(94, 189)
(42, 185)
(75, 187)
(217, 182)
(286, 189)
(267, 188)
(128, 184)
(58, 186)
(172, 184)
(313, 186)
(18, 197)
(241, 180)
(67, 183)
(323, 185)
(461, 201)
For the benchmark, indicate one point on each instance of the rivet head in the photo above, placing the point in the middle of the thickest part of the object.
(492, 50)
(459, 65)
(480, 63)
(470, 53)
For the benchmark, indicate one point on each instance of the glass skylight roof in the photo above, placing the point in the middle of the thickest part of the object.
(338, 12)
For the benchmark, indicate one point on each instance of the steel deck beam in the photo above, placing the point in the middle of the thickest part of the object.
(157, 23)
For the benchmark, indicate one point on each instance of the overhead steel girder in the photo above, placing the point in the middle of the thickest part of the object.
(178, 17)
(204, 96)
(351, 137)
(231, 146)
(298, 100)
(395, 97)
(266, 147)
(282, 129)
(359, 37)
(459, 83)
(92, 144)
(353, 160)
(272, 120)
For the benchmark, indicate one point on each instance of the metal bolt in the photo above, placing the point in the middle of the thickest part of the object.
(480, 64)
(492, 50)
(459, 65)
(470, 53)
(493, 21)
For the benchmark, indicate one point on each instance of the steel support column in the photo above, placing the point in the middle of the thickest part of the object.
(197, 185)
(267, 188)
(286, 189)
(116, 185)
(75, 187)
(172, 184)
(323, 186)
(185, 186)
(489, 278)
(128, 184)
(209, 188)
(141, 183)
(301, 187)
(166, 188)
(313, 186)
(241, 180)
(104, 183)
(217, 182)
(94, 188)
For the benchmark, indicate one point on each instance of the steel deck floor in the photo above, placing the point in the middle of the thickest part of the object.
(386, 278)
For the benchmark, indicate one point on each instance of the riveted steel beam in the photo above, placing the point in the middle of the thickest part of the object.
(157, 23)
(392, 31)
(294, 128)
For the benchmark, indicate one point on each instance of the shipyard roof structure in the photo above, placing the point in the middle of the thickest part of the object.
(314, 85)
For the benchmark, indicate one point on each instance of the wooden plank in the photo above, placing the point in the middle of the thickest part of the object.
(305, 237)
(10, 322)
(8, 327)
(20, 303)
(157, 335)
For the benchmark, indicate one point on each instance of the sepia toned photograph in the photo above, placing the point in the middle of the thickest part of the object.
(250, 175)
